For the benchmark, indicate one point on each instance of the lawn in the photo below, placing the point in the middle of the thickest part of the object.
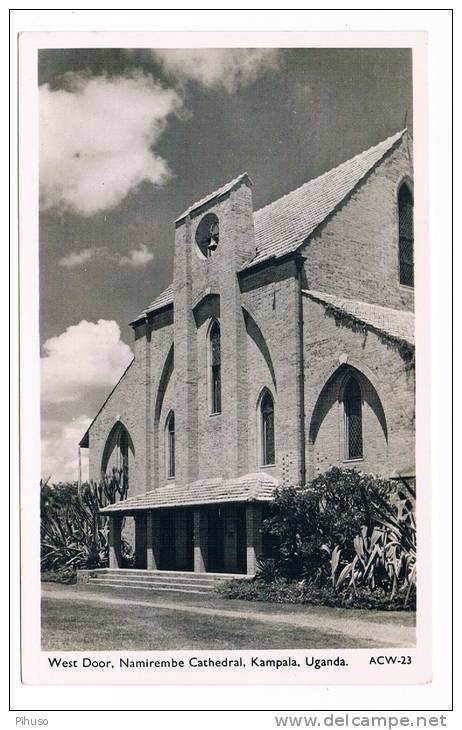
(83, 618)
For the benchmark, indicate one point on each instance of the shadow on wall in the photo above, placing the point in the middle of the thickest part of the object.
(332, 393)
(255, 333)
(118, 449)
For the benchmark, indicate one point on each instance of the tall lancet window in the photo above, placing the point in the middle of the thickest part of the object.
(215, 368)
(170, 433)
(406, 236)
(353, 420)
(123, 456)
(267, 429)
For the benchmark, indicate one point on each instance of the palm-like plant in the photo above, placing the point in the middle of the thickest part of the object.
(385, 556)
(73, 533)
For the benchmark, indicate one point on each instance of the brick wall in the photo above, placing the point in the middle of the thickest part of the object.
(355, 252)
(270, 296)
(386, 381)
(133, 403)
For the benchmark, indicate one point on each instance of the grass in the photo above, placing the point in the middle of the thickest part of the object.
(105, 620)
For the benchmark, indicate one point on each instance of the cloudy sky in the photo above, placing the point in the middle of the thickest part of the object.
(129, 139)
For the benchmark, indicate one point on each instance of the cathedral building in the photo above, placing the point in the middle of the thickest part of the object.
(283, 346)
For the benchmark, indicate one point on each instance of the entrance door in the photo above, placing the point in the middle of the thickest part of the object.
(167, 540)
(241, 557)
(189, 540)
(227, 539)
(216, 533)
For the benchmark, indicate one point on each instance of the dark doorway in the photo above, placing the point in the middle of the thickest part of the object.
(189, 538)
(167, 540)
(241, 553)
(227, 531)
(216, 532)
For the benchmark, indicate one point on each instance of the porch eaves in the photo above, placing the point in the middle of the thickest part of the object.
(257, 487)
(396, 324)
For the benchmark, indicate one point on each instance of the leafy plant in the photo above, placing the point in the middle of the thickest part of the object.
(73, 533)
(386, 558)
(347, 532)
(307, 523)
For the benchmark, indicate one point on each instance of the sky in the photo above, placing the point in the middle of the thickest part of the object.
(129, 139)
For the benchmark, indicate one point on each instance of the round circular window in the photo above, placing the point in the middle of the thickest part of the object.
(208, 235)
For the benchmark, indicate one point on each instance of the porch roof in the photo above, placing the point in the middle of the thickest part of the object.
(397, 324)
(257, 487)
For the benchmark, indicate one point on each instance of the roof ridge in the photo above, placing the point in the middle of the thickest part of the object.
(226, 187)
(315, 200)
(395, 137)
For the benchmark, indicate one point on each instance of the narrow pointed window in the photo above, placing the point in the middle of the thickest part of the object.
(171, 445)
(353, 420)
(123, 457)
(406, 236)
(215, 368)
(267, 430)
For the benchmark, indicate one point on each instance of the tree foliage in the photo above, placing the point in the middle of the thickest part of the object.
(346, 528)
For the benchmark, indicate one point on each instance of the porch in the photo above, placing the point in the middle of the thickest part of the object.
(208, 526)
(212, 539)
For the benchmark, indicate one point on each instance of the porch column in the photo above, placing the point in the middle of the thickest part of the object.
(115, 541)
(201, 540)
(140, 541)
(254, 539)
(153, 539)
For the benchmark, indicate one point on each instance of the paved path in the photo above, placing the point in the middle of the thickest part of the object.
(362, 625)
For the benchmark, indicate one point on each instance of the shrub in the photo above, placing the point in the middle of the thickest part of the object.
(67, 576)
(385, 557)
(299, 592)
(73, 533)
(346, 538)
(307, 523)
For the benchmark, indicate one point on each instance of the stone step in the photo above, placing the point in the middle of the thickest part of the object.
(154, 580)
(168, 573)
(171, 588)
(155, 577)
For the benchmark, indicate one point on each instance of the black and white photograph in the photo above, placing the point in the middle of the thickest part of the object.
(227, 275)
(228, 253)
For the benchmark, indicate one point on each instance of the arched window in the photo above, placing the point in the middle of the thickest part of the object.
(123, 452)
(215, 368)
(170, 443)
(406, 236)
(267, 429)
(353, 420)
(117, 455)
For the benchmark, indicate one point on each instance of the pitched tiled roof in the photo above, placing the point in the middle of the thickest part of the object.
(163, 300)
(216, 194)
(249, 488)
(282, 226)
(396, 323)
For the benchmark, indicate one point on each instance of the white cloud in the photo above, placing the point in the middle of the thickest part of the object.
(228, 67)
(136, 258)
(86, 355)
(96, 137)
(60, 450)
(78, 258)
